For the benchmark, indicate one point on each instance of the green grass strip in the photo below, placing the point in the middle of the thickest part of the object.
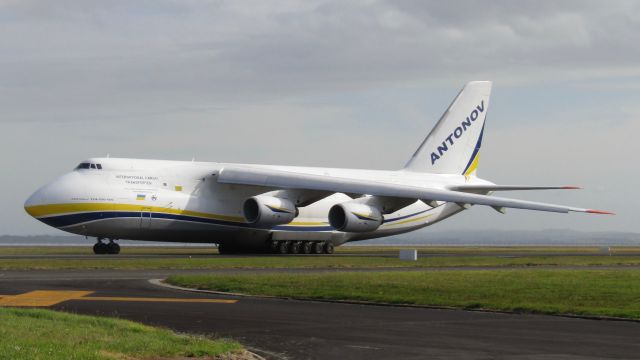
(44, 334)
(584, 292)
(309, 262)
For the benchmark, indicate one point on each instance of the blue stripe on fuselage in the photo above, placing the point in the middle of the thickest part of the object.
(66, 220)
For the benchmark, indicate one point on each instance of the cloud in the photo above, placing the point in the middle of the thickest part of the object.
(94, 59)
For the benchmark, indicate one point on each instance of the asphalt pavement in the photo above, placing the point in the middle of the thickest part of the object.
(291, 329)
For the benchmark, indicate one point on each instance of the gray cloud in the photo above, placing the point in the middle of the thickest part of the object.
(90, 58)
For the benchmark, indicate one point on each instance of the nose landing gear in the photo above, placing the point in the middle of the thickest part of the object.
(101, 248)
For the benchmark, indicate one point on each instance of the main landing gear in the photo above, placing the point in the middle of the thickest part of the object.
(301, 247)
(101, 248)
(280, 247)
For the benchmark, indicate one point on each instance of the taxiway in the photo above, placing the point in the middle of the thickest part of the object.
(292, 329)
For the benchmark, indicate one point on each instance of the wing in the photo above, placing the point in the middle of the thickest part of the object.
(280, 179)
(487, 188)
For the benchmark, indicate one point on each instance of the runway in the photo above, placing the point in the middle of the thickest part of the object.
(290, 329)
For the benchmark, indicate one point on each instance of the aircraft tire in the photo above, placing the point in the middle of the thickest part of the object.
(273, 246)
(283, 247)
(100, 248)
(328, 248)
(295, 247)
(113, 248)
(307, 247)
(318, 248)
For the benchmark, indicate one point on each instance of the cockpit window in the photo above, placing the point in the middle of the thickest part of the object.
(89, 166)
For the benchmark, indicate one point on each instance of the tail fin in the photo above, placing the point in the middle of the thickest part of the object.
(453, 146)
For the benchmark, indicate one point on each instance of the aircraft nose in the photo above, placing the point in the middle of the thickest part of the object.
(37, 198)
(54, 192)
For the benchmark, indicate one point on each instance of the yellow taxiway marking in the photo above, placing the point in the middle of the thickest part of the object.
(42, 298)
(45, 298)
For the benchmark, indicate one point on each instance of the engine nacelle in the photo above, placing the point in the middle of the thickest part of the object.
(354, 217)
(268, 211)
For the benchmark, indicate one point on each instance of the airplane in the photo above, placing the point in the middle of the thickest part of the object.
(282, 209)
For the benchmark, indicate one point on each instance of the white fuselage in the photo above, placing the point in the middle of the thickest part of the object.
(179, 201)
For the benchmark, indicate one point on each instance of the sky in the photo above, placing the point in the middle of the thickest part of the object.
(319, 83)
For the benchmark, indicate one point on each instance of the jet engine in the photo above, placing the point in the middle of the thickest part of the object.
(268, 211)
(355, 217)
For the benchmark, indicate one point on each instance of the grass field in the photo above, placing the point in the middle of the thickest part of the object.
(310, 262)
(355, 249)
(375, 258)
(43, 334)
(584, 292)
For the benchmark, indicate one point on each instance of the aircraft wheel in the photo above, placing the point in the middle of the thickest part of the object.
(295, 247)
(307, 247)
(113, 248)
(328, 248)
(318, 248)
(100, 248)
(283, 247)
(273, 246)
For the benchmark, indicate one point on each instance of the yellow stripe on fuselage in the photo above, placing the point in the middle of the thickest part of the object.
(60, 209)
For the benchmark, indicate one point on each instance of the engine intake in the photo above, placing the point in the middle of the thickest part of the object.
(268, 211)
(354, 217)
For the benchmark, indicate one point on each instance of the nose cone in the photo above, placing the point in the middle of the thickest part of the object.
(37, 198)
(59, 191)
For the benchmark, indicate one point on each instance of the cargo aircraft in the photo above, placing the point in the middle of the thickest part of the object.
(282, 209)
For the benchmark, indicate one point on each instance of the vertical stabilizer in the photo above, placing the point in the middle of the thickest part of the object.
(453, 145)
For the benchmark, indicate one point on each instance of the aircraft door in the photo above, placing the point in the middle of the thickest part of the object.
(145, 218)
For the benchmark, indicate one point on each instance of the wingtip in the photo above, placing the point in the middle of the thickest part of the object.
(570, 187)
(602, 212)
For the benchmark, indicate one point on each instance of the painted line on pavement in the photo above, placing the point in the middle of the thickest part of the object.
(47, 298)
